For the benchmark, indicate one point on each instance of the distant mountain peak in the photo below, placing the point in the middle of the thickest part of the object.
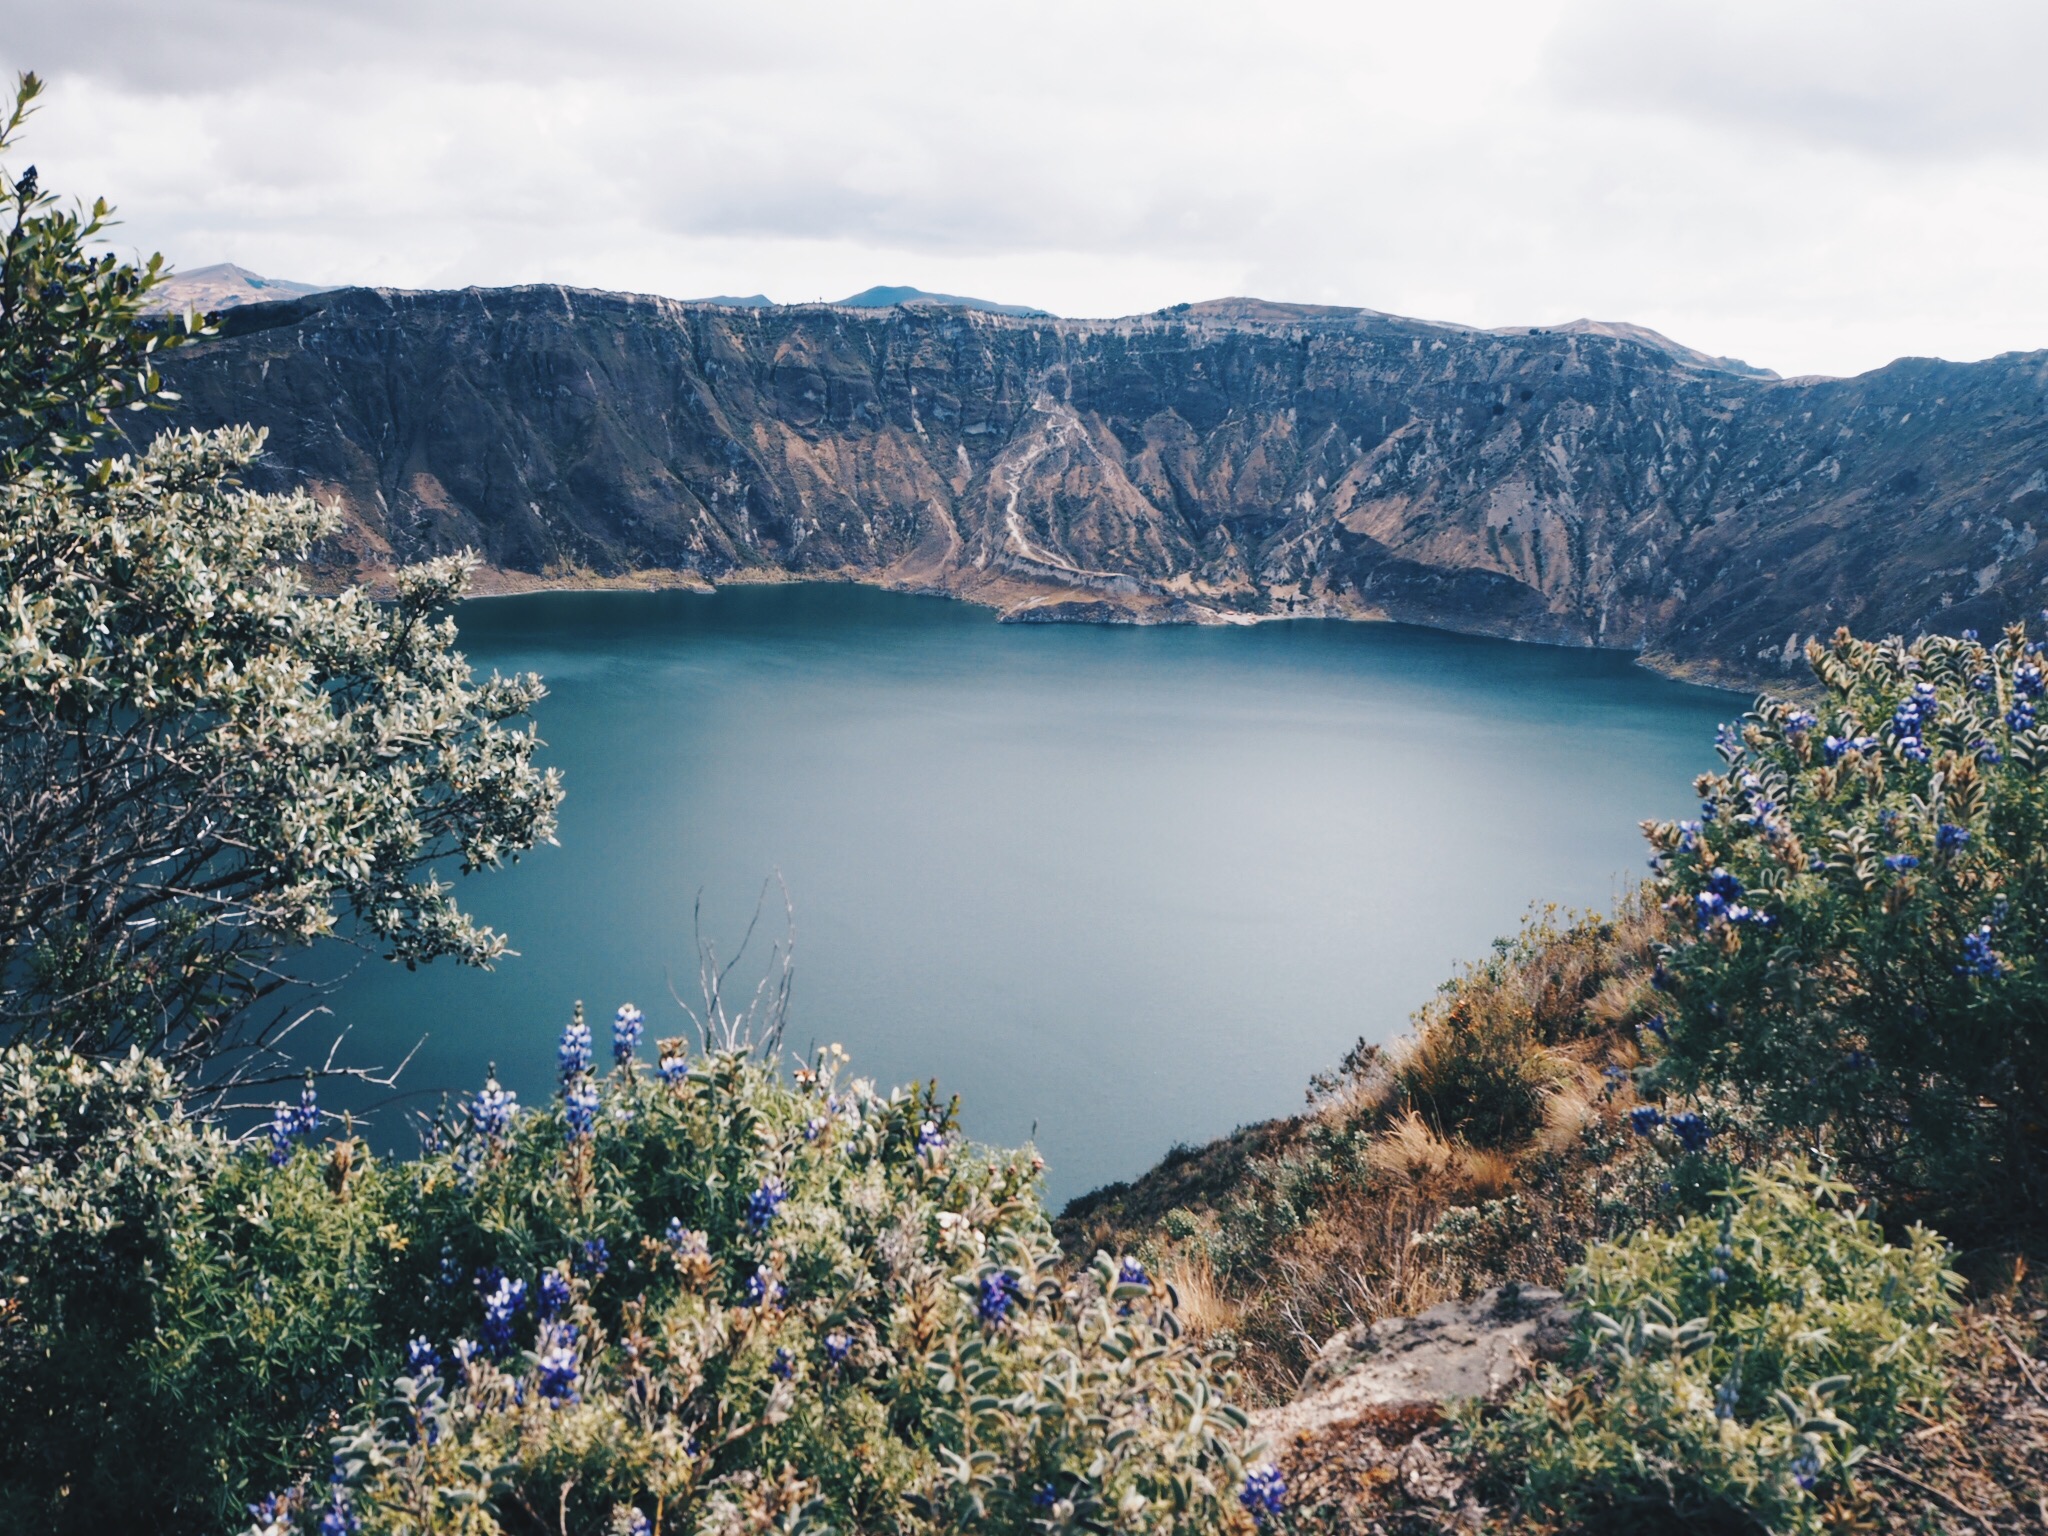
(736, 301)
(1677, 351)
(222, 286)
(883, 296)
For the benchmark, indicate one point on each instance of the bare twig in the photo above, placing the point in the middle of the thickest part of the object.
(2019, 1358)
(760, 1025)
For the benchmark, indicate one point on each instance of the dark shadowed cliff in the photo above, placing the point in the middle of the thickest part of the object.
(1585, 484)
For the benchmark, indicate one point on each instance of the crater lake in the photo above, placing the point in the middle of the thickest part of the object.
(1117, 887)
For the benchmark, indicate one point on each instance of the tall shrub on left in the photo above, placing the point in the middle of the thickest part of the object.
(202, 766)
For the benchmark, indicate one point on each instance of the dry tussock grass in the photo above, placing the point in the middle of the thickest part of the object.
(1356, 1263)
(1409, 1149)
(1570, 1106)
(1204, 1308)
(1485, 1173)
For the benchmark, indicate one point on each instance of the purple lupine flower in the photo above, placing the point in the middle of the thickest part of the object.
(837, 1347)
(339, 1519)
(1691, 1130)
(1948, 836)
(998, 1289)
(762, 1288)
(1899, 863)
(307, 1121)
(1979, 958)
(590, 1260)
(2027, 680)
(783, 1365)
(764, 1204)
(1264, 1494)
(491, 1111)
(1799, 722)
(579, 1109)
(1131, 1272)
(555, 1294)
(1645, 1118)
(572, 1056)
(557, 1367)
(626, 1026)
(2020, 717)
(421, 1358)
(674, 1068)
(930, 1139)
(281, 1128)
(504, 1300)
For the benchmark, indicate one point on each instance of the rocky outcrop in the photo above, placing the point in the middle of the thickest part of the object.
(1592, 484)
(1363, 1442)
(1457, 1350)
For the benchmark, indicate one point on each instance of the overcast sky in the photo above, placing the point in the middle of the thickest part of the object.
(1817, 187)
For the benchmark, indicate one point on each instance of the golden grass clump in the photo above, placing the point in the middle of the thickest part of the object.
(1408, 1149)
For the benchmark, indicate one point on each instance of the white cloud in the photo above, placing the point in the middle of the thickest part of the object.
(1817, 186)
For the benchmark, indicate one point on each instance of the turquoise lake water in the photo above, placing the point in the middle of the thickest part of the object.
(1130, 887)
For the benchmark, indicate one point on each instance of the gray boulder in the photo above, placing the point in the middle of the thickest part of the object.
(1460, 1349)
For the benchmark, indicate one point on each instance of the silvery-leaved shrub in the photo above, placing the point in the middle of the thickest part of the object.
(102, 1182)
(1864, 901)
(202, 765)
(1732, 1371)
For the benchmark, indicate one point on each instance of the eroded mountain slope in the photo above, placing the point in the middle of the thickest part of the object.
(1587, 484)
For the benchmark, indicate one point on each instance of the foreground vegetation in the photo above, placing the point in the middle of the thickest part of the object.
(691, 1296)
(709, 1291)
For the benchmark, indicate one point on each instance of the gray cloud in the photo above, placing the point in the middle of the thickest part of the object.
(1888, 78)
(1817, 186)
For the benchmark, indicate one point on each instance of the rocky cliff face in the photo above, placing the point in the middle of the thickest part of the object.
(1591, 485)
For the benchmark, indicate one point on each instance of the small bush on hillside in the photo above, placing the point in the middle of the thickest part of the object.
(1865, 900)
(688, 1298)
(1487, 1053)
(1734, 1369)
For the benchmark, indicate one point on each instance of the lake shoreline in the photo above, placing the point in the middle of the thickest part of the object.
(1076, 606)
